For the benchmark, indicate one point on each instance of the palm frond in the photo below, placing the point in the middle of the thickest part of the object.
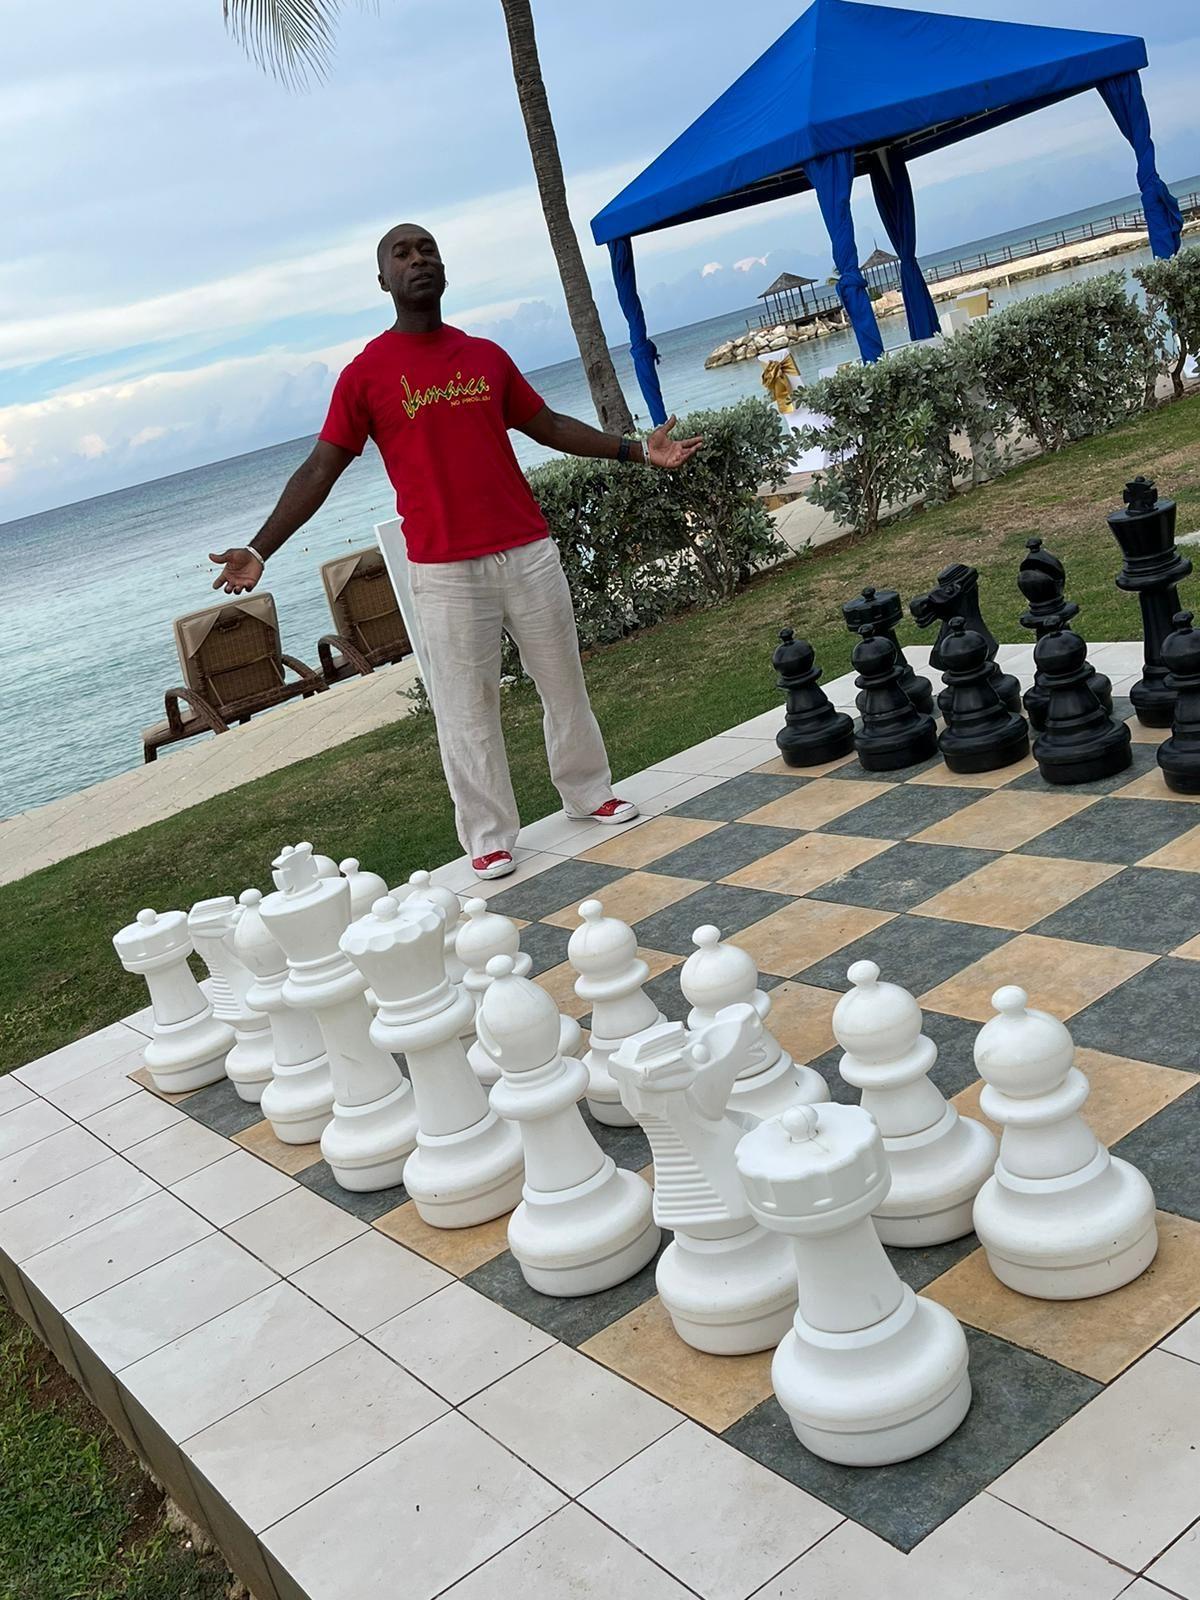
(291, 39)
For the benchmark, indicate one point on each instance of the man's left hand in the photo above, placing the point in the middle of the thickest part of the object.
(663, 451)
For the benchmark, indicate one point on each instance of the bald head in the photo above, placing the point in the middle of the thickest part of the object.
(410, 269)
(402, 230)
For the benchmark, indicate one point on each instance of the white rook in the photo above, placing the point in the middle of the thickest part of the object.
(212, 925)
(189, 1044)
(604, 952)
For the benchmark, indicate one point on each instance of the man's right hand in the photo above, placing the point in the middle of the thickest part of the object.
(241, 569)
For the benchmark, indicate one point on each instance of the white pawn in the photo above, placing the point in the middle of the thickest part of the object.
(483, 934)
(365, 887)
(212, 925)
(869, 1373)
(298, 1101)
(467, 1167)
(189, 1044)
(420, 883)
(718, 975)
(584, 1224)
(1060, 1219)
(603, 950)
(326, 866)
(374, 1127)
(939, 1160)
(728, 1285)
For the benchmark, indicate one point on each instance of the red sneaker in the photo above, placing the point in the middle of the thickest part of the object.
(613, 811)
(498, 864)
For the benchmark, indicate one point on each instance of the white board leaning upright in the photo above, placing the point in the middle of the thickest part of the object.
(390, 535)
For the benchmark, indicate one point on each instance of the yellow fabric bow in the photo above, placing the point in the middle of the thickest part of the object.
(775, 381)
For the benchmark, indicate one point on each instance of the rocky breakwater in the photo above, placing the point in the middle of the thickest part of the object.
(759, 341)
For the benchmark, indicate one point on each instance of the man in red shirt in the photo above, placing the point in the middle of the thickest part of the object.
(439, 404)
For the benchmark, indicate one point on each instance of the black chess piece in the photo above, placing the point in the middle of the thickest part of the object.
(814, 732)
(893, 733)
(1179, 756)
(1042, 579)
(881, 608)
(1081, 742)
(1145, 531)
(981, 733)
(956, 594)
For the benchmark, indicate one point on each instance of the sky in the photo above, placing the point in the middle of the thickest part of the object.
(188, 245)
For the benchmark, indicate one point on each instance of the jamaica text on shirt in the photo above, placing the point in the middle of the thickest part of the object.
(455, 392)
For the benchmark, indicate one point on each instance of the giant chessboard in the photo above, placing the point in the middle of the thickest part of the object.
(1087, 897)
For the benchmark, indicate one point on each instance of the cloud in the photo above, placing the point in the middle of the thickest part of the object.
(709, 267)
(91, 447)
(748, 263)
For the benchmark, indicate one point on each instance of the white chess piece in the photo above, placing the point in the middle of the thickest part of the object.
(420, 883)
(603, 950)
(467, 1167)
(939, 1161)
(1060, 1219)
(326, 866)
(584, 1224)
(483, 934)
(298, 1101)
(189, 1044)
(212, 925)
(728, 1285)
(868, 1373)
(365, 887)
(717, 975)
(374, 1127)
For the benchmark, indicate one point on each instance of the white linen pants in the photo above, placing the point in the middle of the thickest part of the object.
(462, 606)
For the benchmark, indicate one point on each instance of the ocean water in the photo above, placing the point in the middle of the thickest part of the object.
(93, 588)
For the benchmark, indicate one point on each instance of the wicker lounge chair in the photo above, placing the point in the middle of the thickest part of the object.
(233, 665)
(369, 631)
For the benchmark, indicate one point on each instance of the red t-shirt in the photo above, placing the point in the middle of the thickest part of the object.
(439, 406)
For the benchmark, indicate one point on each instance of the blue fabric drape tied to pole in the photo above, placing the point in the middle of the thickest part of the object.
(892, 188)
(1164, 220)
(831, 176)
(641, 346)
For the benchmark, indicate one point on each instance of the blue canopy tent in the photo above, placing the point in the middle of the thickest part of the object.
(852, 89)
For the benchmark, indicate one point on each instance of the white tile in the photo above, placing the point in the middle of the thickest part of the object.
(570, 1554)
(1143, 1589)
(84, 1055)
(989, 1548)
(1178, 1568)
(705, 757)
(1185, 1341)
(141, 1022)
(529, 864)
(764, 726)
(548, 833)
(42, 1165)
(313, 1430)
(28, 1124)
(233, 1187)
(649, 784)
(851, 1563)
(697, 783)
(458, 1341)
(458, 875)
(215, 1369)
(294, 1230)
(755, 753)
(150, 1309)
(93, 1091)
(130, 1121)
(370, 1280)
(117, 1248)
(178, 1151)
(570, 1418)
(431, 1509)
(1121, 1476)
(13, 1093)
(677, 1499)
(71, 1206)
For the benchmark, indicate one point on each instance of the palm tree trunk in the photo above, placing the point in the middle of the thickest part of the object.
(611, 407)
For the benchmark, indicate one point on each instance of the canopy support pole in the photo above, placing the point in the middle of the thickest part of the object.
(892, 189)
(1164, 220)
(641, 346)
(831, 176)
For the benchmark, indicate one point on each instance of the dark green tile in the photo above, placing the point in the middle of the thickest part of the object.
(665, 992)
(1142, 908)
(572, 1320)
(921, 1267)
(855, 769)
(1167, 1150)
(1120, 831)
(628, 1147)
(545, 945)
(905, 809)
(1143, 761)
(725, 905)
(724, 851)
(731, 800)
(563, 885)
(903, 876)
(915, 952)
(222, 1109)
(1151, 1017)
(366, 1207)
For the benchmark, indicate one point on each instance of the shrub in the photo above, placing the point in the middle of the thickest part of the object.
(1173, 302)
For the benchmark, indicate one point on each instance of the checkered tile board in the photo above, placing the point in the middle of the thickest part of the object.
(1088, 897)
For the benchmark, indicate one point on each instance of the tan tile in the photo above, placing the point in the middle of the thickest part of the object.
(798, 935)
(1059, 976)
(713, 1390)
(1190, 950)
(1003, 820)
(942, 778)
(802, 1019)
(458, 1250)
(633, 897)
(1124, 1093)
(1150, 786)
(260, 1140)
(559, 984)
(1015, 891)
(1099, 1337)
(142, 1076)
(1141, 735)
(814, 804)
(1180, 855)
(780, 766)
(649, 840)
(808, 862)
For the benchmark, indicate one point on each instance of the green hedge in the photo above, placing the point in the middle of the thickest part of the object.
(1173, 303)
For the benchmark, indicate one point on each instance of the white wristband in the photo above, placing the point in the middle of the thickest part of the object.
(261, 559)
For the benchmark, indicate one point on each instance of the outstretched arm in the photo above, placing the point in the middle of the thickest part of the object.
(575, 438)
(304, 494)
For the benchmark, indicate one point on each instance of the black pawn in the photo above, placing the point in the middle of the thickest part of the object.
(814, 731)
(1042, 579)
(1081, 742)
(956, 594)
(882, 610)
(893, 733)
(1152, 567)
(1179, 756)
(981, 733)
